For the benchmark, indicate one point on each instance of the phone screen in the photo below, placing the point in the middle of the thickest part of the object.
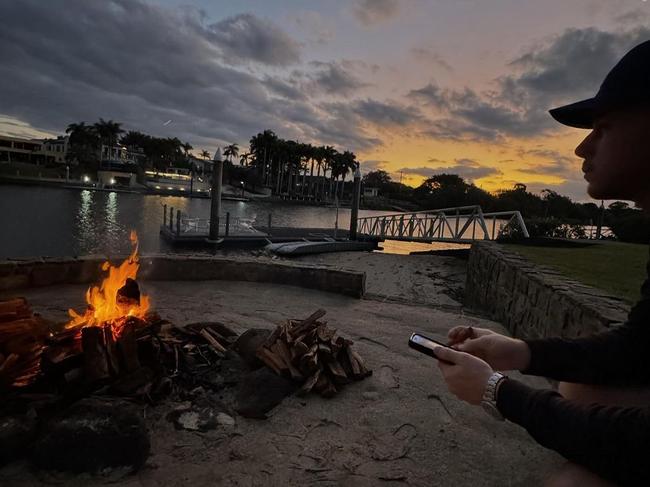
(426, 342)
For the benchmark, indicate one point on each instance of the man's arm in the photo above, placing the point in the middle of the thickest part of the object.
(610, 441)
(620, 356)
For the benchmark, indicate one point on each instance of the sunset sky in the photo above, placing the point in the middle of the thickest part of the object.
(414, 87)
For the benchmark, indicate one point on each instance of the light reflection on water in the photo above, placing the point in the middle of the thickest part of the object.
(40, 221)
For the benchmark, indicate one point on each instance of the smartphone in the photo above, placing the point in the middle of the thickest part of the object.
(425, 344)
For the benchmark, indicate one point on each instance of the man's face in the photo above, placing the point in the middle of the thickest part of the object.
(617, 156)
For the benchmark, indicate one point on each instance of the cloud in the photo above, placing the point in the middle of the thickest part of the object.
(246, 37)
(372, 165)
(143, 64)
(385, 113)
(431, 94)
(468, 169)
(429, 56)
(334, 78)
(556, 164)
(284, 89)
(372, 12)
(565, 68)
(458, 130)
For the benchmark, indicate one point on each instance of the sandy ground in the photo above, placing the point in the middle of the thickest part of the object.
(398, 427)
(421, 279)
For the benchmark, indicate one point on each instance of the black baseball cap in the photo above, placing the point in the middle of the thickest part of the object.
(627, 85)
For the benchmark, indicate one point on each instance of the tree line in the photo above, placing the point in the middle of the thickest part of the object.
(297, 169)
(86, 142)
(289, 168)
(547, 214)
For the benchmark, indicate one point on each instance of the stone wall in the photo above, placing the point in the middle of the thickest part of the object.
(15, 275)
(533, 301)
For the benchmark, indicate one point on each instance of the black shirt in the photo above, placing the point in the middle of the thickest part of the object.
(613, 442)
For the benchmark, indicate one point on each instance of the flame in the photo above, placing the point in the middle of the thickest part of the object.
(104, 307)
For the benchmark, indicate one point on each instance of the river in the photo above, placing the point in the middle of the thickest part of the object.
(59, 222)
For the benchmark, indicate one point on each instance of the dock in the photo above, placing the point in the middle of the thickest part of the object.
(181, 230)
(255, 237)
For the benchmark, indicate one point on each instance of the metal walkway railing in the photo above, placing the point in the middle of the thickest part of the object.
(457, 225)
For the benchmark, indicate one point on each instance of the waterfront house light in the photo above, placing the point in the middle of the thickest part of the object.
(112, 180)
(86, 179)
(157, 187)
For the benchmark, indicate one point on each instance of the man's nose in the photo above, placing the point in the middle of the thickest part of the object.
(586, 147)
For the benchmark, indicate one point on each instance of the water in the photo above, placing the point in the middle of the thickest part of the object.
(57, 222)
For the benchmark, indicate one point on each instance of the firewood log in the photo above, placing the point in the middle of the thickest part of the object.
(281, 350)
(266, 356)
(298, 349)
(310, 383)
(127, 349)
(21, 326)
(354, 365)
(13, 305)
(213, 342)
(8, 363)
(337, 372)
(275, 334)
(223, 341)
(324, 350)
(13, 315)
(94, 352)
(363, 370)
(325, 334)
(308, 323)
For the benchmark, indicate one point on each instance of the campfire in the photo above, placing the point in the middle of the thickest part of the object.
(119, 348)
(117, 299)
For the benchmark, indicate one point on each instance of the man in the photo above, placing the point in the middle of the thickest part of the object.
(600, 418)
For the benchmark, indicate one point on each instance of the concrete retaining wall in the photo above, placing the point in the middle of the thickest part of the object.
(15, 275)
(533, 301)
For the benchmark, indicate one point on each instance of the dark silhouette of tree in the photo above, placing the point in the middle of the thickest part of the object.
(231, 151)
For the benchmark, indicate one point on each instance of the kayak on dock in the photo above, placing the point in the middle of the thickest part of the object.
(303, 247)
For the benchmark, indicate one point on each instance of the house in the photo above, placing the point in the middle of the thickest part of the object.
(369, 192)
(55, 150)
(16, 149)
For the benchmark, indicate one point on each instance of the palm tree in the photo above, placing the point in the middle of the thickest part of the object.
(187, 147)
(329, 154)
(231, 151)
(205, 154)
(263, 147)
(345, 163)
(108, 132)
(318, 156)
(83, 143)
(244, 157)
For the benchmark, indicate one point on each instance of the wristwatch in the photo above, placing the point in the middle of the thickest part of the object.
(489, 401)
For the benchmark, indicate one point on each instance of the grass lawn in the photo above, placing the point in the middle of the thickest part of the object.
(616, 267)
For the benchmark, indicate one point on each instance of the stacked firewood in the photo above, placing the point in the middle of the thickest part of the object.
(22, 336)
(309, 352)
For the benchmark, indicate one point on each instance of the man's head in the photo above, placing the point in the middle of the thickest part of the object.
(617, 156)
(617, 152)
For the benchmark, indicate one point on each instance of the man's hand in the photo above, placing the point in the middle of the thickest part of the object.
(466, 376)
(501, 352)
